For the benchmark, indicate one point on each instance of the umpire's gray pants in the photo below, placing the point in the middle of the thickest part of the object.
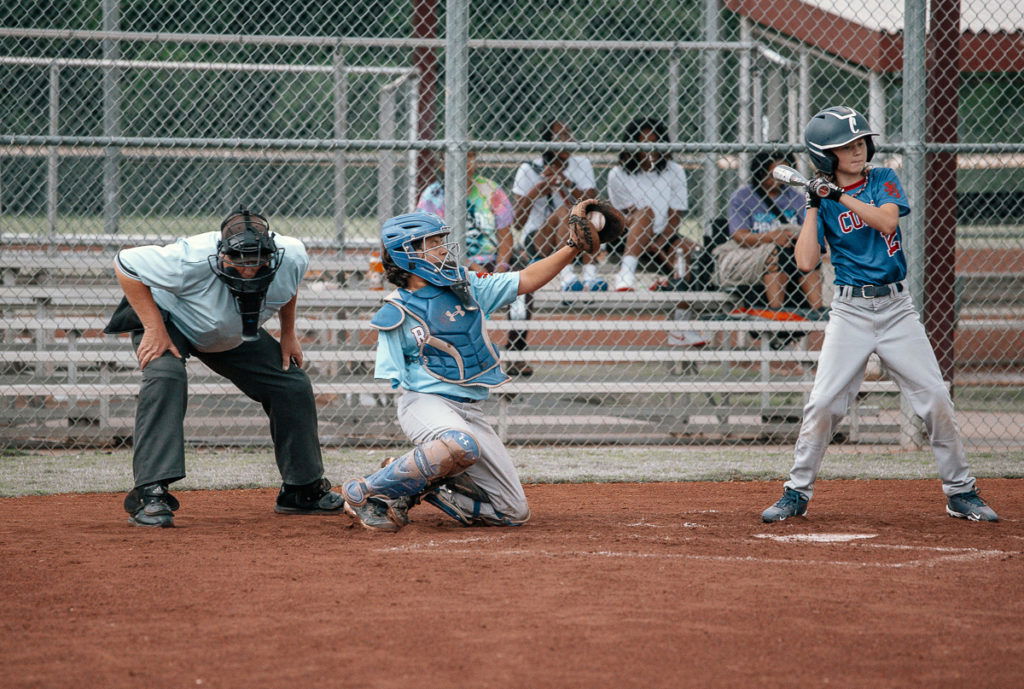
(890, 327)
(255, 368)
(423, 417)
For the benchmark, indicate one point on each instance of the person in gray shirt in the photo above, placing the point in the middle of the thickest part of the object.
(208, 296)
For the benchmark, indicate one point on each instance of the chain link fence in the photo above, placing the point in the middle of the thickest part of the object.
(127, 123)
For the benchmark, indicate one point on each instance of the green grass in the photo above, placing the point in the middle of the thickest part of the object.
(47, 472)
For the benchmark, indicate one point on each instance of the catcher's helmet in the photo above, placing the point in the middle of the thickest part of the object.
(401, 237)
(832, 128)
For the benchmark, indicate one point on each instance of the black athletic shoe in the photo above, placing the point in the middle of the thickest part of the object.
(312, 498)
(151, 505)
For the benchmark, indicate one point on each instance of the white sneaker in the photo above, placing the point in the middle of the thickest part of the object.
(686, 338)
(625, 282)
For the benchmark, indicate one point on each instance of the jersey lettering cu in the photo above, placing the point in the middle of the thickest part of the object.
(861, 254)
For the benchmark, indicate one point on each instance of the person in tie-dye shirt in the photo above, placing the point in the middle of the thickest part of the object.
(488, 219)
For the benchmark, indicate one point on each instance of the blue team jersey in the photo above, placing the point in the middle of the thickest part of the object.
(861, 255)
(398, 356)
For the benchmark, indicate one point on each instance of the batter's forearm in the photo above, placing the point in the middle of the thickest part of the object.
(885, 219)
(807, 250)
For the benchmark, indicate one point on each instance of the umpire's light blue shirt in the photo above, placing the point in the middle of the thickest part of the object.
(398, 355)
(201, 307)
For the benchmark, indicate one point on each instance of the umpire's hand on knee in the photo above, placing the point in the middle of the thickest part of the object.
(291, 351)
(155, 341)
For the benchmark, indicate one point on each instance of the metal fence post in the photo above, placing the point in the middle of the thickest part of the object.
(53, 156)
(340, 93)
(712, 61)
(111, 120)
(456, 116)
(913, 178)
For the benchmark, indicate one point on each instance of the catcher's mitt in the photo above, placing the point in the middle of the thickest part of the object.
(582, 232)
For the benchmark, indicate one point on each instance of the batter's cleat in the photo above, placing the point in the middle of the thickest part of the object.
(372, 515)
(312, 498)
(970, 506)
(151, 505)
(791, 504)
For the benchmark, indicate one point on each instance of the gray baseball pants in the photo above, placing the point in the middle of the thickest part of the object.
(255, 368)
(890, 327)
(424, 417)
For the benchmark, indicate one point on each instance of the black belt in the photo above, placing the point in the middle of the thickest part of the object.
(871, 291)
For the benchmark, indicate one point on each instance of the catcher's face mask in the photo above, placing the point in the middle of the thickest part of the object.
(246, 261)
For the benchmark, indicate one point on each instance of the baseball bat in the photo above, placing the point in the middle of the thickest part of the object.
(788, 175)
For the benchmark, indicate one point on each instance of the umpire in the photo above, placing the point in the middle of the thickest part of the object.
(208, 296)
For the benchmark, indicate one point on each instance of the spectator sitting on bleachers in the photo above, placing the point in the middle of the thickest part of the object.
(650, 190)
(488, 219)
(764, 220)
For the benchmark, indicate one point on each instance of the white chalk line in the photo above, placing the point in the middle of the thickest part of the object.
(954, 554)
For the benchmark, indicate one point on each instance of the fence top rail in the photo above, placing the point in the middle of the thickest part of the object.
(25, 241)
(343, 145)
(204, 66)
(370, 41)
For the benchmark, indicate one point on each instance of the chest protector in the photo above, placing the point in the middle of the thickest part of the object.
(452, 341)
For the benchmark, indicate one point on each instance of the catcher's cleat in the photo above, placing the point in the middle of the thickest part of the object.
(398, 509)
(441, 498)
(312, 498)
(151, 505)
(791, 504)
(372, 515)
(970, 506)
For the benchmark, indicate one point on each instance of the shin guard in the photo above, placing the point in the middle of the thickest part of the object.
(411, 474)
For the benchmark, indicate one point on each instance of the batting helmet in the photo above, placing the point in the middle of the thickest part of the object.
(832, 128)
(402, 238)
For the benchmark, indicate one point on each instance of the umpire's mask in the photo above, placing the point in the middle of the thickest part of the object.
(246, 260)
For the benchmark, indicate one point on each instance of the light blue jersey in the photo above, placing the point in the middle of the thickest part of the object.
(200, 304)
(398, 355)
(861, 254)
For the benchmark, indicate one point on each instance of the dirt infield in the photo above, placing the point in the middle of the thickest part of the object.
(610, 585)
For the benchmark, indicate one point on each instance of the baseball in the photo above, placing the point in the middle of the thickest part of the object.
(596, 220)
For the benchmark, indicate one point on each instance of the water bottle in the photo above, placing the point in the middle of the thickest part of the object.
(375, 275)
(680, 264)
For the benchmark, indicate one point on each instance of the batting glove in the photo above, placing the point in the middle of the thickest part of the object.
(813, 200)
(824, 189)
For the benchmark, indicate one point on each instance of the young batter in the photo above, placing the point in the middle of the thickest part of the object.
(432, 343)
(856, 208)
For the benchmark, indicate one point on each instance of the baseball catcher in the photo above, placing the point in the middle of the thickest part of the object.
(432, 343)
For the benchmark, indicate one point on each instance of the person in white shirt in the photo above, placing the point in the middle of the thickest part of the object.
(545, 189)
(650, 190)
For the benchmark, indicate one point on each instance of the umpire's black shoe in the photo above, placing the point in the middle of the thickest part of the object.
(151, 505)
(312, 498)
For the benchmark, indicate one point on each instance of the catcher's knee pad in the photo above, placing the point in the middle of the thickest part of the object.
(411, 474)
